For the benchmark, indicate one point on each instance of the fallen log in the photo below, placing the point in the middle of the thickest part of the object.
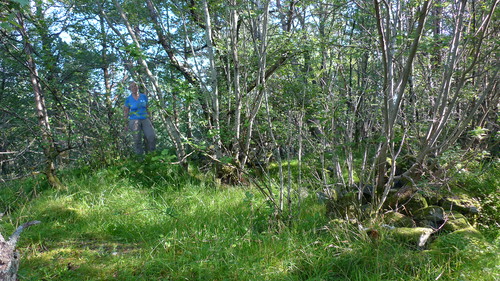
(9, 257)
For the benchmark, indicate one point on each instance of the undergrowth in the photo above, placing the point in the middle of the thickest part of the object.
(152, 221)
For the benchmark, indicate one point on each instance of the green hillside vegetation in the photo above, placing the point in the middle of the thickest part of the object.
(151, 221)
(249, 140)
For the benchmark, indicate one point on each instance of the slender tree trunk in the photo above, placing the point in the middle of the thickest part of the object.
(234, 17)
(259, 29)
(105, 70)
(300, 124)
(49, 147)
(113, 129)
(214, 87)
(277, 154)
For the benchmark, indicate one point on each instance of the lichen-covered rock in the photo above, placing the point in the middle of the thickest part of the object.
(413, 235)
(408, 200)
(456, 221)
(461, 203)
(398, 220)
(432, 216)
(416, 202)
(459, 240)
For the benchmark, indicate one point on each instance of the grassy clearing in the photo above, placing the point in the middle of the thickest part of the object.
(141, 222)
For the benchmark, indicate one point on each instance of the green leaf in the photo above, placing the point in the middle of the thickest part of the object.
(479, 133)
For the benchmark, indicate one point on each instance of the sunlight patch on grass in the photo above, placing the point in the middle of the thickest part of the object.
(75, 260)
(109, 227)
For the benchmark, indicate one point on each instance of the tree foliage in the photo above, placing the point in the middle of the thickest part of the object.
(358, 92)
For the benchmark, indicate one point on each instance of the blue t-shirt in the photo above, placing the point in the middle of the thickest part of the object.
(138, 108)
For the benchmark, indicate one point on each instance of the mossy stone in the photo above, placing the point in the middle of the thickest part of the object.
(461, 203)
(407, 199)
(456, 221)
(459, 240)
(416, 202)
(412, 235)
(432, 216)
(398, 220)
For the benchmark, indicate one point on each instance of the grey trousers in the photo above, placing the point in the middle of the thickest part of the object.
(140, 129)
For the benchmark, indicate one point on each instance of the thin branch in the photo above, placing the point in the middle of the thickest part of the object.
(15, 236)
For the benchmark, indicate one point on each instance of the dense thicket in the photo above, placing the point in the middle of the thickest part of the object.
(357, 93)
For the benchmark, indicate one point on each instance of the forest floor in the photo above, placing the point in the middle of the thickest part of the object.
(126, 223)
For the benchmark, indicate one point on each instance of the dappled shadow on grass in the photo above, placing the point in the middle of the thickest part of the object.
(153, 172)
(196, 230)
(213, 238)
(109, 226)
(78, 260)
(195, 233)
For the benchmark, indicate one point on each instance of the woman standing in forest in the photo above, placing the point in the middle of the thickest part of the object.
(136, 113)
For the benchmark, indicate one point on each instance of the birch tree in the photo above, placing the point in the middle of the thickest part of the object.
(48, 142)
(394, 86)
(461, 61)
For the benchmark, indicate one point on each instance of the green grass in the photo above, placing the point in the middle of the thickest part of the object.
(149, 221)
